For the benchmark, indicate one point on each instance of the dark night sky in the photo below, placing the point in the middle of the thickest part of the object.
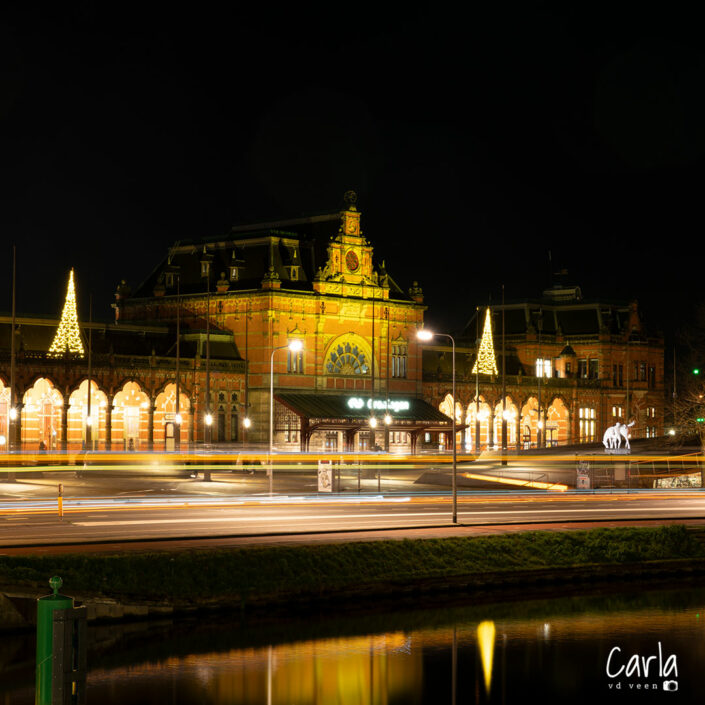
(477, 142)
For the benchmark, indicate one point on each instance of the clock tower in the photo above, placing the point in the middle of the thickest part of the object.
(349, 270)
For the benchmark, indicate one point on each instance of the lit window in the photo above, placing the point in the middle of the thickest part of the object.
(586, 425)
(295, 361)
(399, 360)
(544, 367)
(347, 359)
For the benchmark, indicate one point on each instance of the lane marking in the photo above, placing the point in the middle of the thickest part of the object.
(355, 517)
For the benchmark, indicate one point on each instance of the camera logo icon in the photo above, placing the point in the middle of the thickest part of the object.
(670, 685)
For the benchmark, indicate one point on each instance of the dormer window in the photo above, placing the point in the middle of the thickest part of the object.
(170, 279)
(293, 273)
(206, 260)
(237, 265)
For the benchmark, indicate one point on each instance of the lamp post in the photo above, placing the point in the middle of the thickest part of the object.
(11, 425)
(539, 374)
(426, 336)
(175, 271)
(89, 418)
(294, 346)
(206, 274)
(504, 389)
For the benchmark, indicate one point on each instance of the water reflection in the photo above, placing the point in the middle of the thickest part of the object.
(548, 650)
(485, 639)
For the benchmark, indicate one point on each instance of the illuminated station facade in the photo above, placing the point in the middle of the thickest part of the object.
(569, 368)
(219, 321)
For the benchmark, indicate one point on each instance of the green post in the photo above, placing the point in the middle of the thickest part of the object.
(45, 636)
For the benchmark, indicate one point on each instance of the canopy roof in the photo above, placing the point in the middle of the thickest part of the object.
(350, 409)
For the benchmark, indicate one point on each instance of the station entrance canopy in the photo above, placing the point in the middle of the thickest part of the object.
(351, 413)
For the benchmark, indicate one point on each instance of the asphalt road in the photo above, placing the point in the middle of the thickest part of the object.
(189, 518)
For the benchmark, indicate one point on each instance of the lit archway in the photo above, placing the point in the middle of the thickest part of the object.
(41, 415)
(78, 414)
(470, 419)
(510, 414)
(130, 421)
(165, 416)
(446, 407)
(4, 416)
(529, 422)
(557, 423)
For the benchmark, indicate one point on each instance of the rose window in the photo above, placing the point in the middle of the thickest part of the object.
(347, 359)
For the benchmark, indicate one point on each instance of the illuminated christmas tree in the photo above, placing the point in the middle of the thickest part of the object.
(68, 334)
(486, 363)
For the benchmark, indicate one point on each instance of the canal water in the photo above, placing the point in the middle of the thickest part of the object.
(556, 650)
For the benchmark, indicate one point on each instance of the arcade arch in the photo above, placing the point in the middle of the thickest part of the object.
(78, 414)
(446, 407)
(471, 417)
(4, 415)
(557, 423)
(511, 414)
(130, 419)
(164, 417)
(41, 415)
(529, 422)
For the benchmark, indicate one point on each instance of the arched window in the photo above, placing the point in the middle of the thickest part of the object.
(347, 359)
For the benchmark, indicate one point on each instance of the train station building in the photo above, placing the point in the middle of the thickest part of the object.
(217, 318)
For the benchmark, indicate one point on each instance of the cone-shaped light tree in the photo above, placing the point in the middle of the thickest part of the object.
(68, 334)
(486, 363)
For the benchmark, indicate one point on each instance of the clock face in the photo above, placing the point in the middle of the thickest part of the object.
(351, 228)
(352, 261)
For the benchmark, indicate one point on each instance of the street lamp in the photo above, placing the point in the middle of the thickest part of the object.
(426, 336)
(294, 346)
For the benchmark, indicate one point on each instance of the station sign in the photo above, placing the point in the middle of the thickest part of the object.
(394, 405)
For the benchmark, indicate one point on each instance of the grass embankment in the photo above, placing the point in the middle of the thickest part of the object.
(256, 575)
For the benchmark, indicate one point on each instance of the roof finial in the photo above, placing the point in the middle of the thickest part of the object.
(350, 199)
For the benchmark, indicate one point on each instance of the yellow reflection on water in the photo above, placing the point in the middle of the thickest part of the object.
(485, 639)
(369, 670)
(380, 669)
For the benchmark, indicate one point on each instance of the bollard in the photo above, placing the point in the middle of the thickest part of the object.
(60, 500)
(45, 639)
(61, 649)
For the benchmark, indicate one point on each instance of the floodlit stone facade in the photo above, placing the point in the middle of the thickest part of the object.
(571, 366)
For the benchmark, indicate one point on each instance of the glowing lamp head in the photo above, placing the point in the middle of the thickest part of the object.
(178, 419)
(387, 419)
(424, 335)
(13, 413)
(209, 419)
(247, 422)
(296, 345)
(373, 422)
(540, 424)
(3, 440)
(89, 420)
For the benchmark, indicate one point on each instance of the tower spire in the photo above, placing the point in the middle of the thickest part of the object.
(68, 334)
(486, 363)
